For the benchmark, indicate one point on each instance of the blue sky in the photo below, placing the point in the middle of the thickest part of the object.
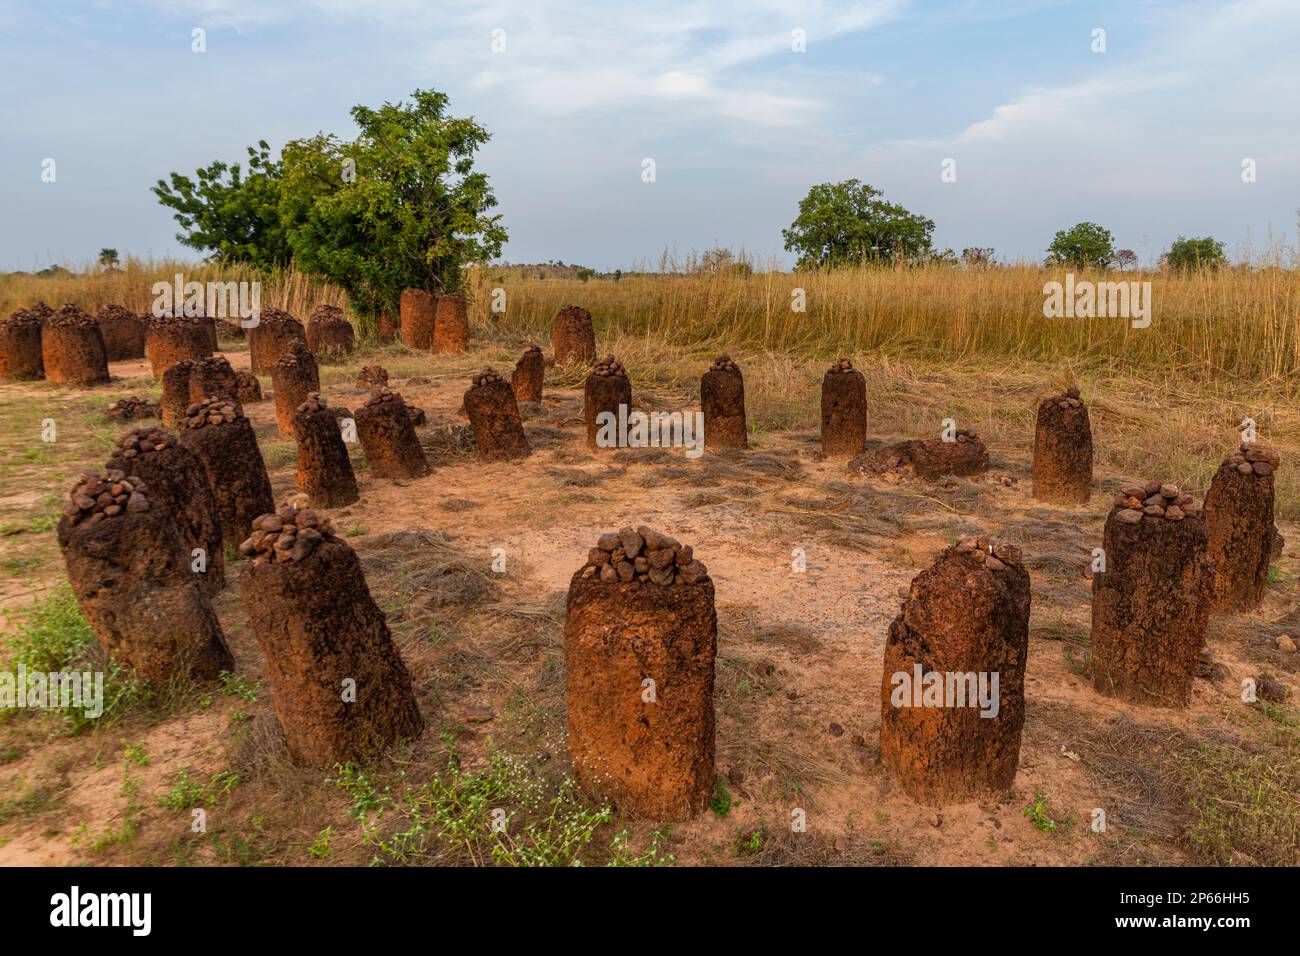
(1146, 138)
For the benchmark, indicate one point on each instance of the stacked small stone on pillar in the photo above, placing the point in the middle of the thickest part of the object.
(606, 388)
(450, 324)
(1063, 450)
(247, 388)
(214, 378)
(575, 339)
(416, 309)
(179, 482)
(372, 376)
(20, 347)
(388, 438)
(722, 397)
(324, 468)
(1239, 527)
(275, 332)
(176, 393)
(131, 575)
(329, 333)
(1151, 603)
(72, 349)
(174, 338)
(494, 416)
(339, 687)
(123, 332)
(529, 375)
(294, 376)
(222, 438)
(844, 411)
(640, 639)
(132, 409)
(948, 733)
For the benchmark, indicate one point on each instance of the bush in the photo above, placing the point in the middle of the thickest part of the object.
(1188, 255)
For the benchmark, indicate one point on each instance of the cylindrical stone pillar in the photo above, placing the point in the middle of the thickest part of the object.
(722, 397)
(248, 389)
(176, 393)
(123, 332)
(131, 576)
(575, 339)
(388, 437)
(223, 439)
(72, 349)
(372, 377)
(329, 333)
(20, 347)
(952, 700)
(529, 375)
(606, 388)
(1063, 450)
(178, 481)
(844, 411)
(324, 469)
(339, 687)
(172, 338)
(275, 331)
(450, 324)
(387, 326)
(417, 313)
(294, 376)
(1151, 603)
(640, 639)
(1239, 527)
(213, 378)
(494, 416)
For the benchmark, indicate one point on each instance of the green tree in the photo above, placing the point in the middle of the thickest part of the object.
(844, 223)
(399, 206)
(1187, 255)
(228, 213)
(1086, 245)
(108, 258)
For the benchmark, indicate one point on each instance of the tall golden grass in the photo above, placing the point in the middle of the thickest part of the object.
(1236, 323)
(1233, 323)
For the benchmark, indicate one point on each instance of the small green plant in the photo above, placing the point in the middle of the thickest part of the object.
(1038, 816)
(621, 853)
(720, 802)
(237, 686)
(367, 799)
(137, 754)
(187, 792)
(750, 842)
(320, 850)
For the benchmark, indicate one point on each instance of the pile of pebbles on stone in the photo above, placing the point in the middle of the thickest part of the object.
(1153, 500)
(487, 377)
(314, 403)
(609, 366)
(723, 363)
(383, 394)
(1067, 399)
(643, 555)
(290, 534)
(97, 497)
(843, 365)
(372, 376)
(534, 347)
(1254, 458)
(212, 412)
(140, 441)
(131, 408)
(990, 553)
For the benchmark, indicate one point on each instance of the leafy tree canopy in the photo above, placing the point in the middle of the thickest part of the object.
(1083, 246)
(1186, 255)
(848, 222)
(228, 213)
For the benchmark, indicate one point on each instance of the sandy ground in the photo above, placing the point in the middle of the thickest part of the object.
(799, 653)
